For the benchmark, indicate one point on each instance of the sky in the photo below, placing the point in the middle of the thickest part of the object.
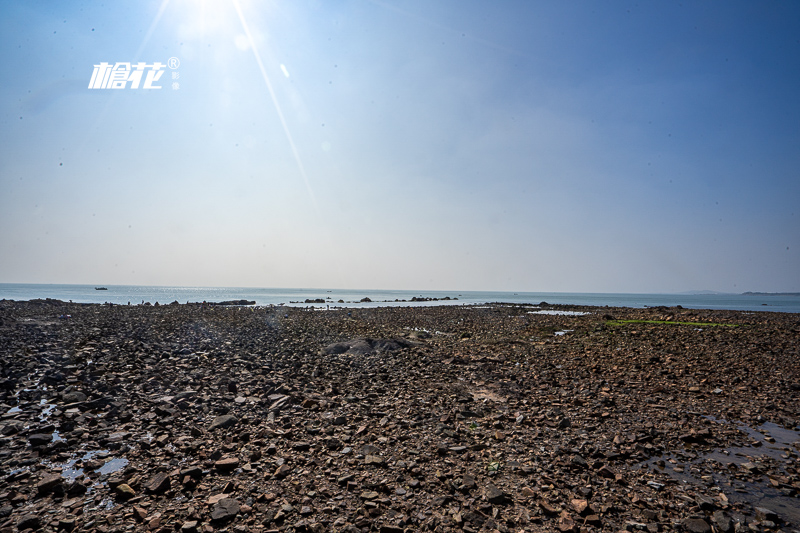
(400, 144)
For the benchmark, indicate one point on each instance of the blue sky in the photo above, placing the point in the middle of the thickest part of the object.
(453, 145)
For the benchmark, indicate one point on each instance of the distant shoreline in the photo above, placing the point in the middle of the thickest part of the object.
(771, 293)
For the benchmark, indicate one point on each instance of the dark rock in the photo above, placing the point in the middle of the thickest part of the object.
(696, 525)
(224, 422)
(724, 522)
(227, 464)
(225, 509)
(28, 521)
(40, 439)
(496, 496)
(158, 483)
(48, 483)
(762, 513)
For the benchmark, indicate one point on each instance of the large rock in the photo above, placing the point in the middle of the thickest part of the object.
(365, 346)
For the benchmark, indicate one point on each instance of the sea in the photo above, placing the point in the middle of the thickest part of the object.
(137, 294)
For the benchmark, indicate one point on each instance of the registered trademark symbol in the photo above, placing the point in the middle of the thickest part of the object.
(173, 63)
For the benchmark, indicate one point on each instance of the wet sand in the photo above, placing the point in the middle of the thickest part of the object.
(457, 418)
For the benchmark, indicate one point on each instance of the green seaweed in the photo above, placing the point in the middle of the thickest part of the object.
(672, 322)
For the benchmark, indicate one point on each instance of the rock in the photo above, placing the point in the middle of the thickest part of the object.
(158, 483)
(224, 510)
(40, 439)
(565, 522)
(579, 505)
(223, 422)
(723, 522)
(48, 483)
(283, 471)
(28, 521)
(227, 464)
(696, 525)
(190, 526)
(73, 397)
(762, 513)
(123, 491)
(365, 346)
(496, 496)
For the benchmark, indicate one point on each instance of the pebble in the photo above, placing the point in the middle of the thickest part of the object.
(191, 418)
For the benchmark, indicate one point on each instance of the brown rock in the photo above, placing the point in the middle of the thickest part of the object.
(48, 483)
(696, 525)
(227, 463)
(158, 483)
(123, 491)
(225, 509)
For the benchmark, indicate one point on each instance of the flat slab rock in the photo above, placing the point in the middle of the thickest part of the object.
(365, 346)
(225, 509)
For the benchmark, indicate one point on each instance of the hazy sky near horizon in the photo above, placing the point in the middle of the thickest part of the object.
(454, 145)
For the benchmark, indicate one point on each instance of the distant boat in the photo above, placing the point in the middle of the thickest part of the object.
(100, 289)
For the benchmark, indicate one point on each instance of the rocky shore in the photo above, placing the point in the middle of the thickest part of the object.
(509, 418)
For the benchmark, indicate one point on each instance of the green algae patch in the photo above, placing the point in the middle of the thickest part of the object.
(671, 322)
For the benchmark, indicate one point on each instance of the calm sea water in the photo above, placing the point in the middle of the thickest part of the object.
(122, 294)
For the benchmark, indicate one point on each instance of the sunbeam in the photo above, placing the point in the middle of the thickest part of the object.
(264, 75)
(151, 29)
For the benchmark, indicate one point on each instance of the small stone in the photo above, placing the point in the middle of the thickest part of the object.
(189, 526)
(580, 506)
(67, 524)
(48, 483)
(227, 463)
(565, 522)
(762, 513)
(496, 496)
(283, 471)
(225, 509)
(40, 439)
(373, 460)
(369, 495)
(140, 513)
(123, 491)
(158, 483)
(224, 422)
(723, 522)
(28, 521)
(468, 482)
(696, 525)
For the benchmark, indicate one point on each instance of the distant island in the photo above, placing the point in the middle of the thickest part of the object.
(771, 294)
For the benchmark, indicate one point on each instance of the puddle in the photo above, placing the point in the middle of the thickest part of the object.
(47, 409)
(557, 312)
(113, 466)
(14, 410)
(71, 472)
(753, 474)
(563, 332)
